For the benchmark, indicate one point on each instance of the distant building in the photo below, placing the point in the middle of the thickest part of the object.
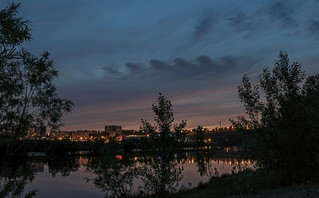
(40, 131)
(132, 134)
(35, 132)
(113, 130)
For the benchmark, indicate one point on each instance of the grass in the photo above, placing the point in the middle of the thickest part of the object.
(249, 183)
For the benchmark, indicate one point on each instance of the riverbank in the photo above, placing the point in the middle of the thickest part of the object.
(310, 191)
(250, 183)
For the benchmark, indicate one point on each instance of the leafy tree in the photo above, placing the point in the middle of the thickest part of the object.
(283, 118)
(160, 171)
(199, 136)
(28, 96)
(63, 147)
(161, 130)
(179, 134)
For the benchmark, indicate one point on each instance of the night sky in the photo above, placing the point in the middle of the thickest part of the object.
(115, 56)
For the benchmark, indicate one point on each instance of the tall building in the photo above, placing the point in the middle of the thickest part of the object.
(113, 130)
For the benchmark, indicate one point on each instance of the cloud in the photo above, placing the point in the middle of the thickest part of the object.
(288, 22)
(205, 61)
(134, 68)
(183, 70)
(199, 66)
(203, 26)
(175, 76)
(111, 71)
(182, 64)
(314, 27)
(159, 65)
(240, 22)
(237, 19)
(283, 13)
(279, 11)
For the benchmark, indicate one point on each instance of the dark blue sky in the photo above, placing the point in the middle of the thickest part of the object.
(114, 57)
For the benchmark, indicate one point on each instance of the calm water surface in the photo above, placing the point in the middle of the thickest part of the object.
(95, 177)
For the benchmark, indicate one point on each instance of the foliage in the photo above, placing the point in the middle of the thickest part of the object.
(179, 134)
(62, 147)
(161, 176)
(231, 138)
(129, 145)
(28, 96)
(160, 172)
(63, 165)
(94, 147)
(14, 177)
(244, 183)
(113, 147)
(199, 136)
(113, 176)
(203, 166)
(161, 130)
(283, 119)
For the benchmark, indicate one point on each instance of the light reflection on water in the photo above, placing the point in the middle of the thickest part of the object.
(68, 180)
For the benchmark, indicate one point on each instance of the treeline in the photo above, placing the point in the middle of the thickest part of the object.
(66, 147)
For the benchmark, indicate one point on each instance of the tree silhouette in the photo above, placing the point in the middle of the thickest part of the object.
(28, 96)
(160, 172)
(283, 117)
(199, 136)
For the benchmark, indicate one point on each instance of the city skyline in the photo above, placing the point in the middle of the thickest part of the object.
(114, 57)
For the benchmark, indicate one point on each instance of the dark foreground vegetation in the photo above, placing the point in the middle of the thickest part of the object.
(282, 123)
(251, 183)
(282, 119)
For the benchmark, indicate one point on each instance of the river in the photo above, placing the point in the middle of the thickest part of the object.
(114, 176)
